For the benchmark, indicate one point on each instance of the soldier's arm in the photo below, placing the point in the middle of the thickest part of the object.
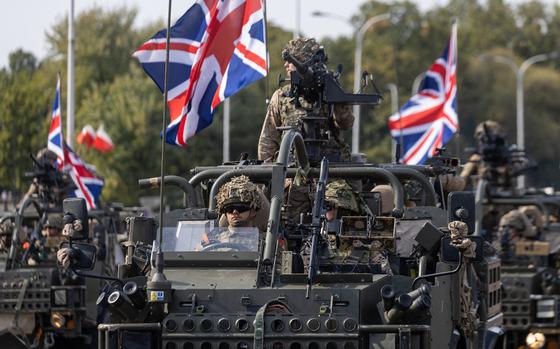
(269, 140)
(343, 117)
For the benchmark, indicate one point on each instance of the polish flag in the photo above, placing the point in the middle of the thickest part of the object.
(102, 141)
(86, 136)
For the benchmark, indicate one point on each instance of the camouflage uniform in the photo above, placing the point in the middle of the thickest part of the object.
(282, 111)
(49, 249)
(339, 195)
(476, 168)
(239, 190)
(514, 226)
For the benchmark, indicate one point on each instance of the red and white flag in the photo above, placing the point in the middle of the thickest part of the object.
(102, 141)
(86, 136)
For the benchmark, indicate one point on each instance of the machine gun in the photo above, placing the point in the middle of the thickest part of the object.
(493, 149)
(315, 83)
(317, 223)
(441, 164)
(48, 178)
(320, 88)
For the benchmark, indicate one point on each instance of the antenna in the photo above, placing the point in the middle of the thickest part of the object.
(159, 288)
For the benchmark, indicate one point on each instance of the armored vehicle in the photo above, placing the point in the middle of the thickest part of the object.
(530, 264)
(42, 305)
(316, 284)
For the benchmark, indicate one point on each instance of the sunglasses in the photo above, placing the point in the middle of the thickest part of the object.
(237, 207)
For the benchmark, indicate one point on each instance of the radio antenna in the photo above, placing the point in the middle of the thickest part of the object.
(159, 288)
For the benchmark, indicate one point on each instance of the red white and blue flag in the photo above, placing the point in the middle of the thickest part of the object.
(429, 119)
(55, 140)
(88, 185)
(217, 48)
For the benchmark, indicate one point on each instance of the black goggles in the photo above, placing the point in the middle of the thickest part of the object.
(237, 207)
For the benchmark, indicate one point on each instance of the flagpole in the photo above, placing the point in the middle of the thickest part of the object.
(225, 150)
(266, 86)
(70, 77)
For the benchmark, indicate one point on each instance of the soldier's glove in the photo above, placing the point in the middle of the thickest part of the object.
(70, 229)
(64, 257)
(459, 239)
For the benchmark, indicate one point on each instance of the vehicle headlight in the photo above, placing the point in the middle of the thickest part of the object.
(546, 309)
(60, 297)
(58, 320)
(535, 340)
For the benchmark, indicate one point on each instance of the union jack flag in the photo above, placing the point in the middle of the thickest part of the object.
(88, 185)
(216, 48)
(55, 141)
(429, 119)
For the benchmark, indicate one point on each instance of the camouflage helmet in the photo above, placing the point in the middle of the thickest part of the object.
(303, 49)
(54, 220)
(492, 127)
(340, 195)
(238, 190)
(45, 154)
(518, 221)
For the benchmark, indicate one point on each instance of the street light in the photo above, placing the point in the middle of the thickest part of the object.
(416, 83)
(357, 64)
(357, 72)
(519, 72)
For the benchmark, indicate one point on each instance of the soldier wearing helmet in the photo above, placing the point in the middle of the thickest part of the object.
(341, 200)
(285, 110)
(238, 200)
(515, 226)
(51, 238)
(492, 160)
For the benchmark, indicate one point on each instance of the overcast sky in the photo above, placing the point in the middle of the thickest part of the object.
(23, 23)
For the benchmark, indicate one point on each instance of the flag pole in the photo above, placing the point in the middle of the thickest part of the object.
(70, 77)
(266, 83)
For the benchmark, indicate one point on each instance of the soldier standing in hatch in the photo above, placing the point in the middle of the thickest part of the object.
(283, 111)
(492, 160)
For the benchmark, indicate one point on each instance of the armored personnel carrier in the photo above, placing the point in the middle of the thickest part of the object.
(308, 285)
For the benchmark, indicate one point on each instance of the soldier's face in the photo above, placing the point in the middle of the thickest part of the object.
(240, 219)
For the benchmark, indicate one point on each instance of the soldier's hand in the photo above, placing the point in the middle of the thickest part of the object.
(63, 256)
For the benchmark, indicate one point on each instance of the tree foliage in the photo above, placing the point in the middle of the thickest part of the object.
(112, 89)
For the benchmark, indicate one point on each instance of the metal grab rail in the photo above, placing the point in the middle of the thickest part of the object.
(190, 198)
(104, 329)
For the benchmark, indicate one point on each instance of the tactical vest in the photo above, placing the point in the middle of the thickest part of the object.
(322, 137)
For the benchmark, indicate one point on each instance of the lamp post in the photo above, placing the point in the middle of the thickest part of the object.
(394, 91)
(360, 32)
(357, 72)
(70, 78)
(416, 83)
(519, 72)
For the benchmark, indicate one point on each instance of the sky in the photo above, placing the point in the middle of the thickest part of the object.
(25, 22)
